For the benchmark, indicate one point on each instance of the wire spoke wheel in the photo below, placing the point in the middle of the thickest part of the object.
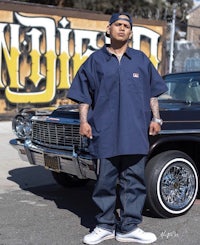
(172, 183)
(177, 186)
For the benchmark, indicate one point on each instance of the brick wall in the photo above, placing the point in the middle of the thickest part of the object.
(193, 30)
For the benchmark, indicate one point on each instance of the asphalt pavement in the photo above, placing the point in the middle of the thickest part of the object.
(34, 210)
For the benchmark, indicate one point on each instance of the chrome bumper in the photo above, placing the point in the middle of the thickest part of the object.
(69, 161)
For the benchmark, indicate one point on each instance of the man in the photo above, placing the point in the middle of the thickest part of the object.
(117, 88)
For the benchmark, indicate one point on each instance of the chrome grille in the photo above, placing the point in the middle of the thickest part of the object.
(55, 134)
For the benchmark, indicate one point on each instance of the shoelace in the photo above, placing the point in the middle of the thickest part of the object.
(140, 231)
(97, 230)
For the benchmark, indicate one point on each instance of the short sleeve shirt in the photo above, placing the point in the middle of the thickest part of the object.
(118, 93)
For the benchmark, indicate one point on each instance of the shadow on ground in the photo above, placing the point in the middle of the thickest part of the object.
(77, 199)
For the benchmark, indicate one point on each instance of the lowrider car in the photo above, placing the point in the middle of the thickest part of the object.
(50, 137)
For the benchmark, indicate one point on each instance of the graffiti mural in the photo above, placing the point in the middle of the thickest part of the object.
(40, 55)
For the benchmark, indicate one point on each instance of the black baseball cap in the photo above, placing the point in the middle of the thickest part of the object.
(116, 16)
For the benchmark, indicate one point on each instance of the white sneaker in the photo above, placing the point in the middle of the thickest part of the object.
(137, 235)
(98, 235)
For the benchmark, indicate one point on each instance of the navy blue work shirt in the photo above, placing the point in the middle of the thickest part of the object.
(119, 97)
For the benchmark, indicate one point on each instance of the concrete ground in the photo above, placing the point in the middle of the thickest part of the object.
(35, 210)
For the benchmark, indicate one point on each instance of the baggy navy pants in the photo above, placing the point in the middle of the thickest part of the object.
(128, 172)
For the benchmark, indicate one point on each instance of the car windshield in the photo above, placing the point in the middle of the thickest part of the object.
(183, 87)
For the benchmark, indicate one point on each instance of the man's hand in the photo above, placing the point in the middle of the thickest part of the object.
(154, 128)
(85, 130)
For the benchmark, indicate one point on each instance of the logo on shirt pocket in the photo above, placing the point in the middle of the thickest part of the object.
(136, 75)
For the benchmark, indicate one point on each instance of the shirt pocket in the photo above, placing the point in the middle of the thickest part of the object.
(135, 84)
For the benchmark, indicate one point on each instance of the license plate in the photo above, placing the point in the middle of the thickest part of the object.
(51, 162)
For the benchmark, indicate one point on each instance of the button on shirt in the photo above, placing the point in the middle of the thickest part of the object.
(119, 97)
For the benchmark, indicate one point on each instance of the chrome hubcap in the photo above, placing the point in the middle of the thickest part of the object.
(177, 186)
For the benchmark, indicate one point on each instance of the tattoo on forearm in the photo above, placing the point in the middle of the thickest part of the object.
(83, 111)
(155, 107)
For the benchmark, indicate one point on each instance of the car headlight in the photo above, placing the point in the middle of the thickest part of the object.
(22, 127)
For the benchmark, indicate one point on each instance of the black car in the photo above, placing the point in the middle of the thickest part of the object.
(50, 137)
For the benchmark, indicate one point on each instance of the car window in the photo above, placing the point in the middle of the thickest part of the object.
(182, 87)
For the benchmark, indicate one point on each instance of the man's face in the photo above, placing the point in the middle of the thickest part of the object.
(120, 30)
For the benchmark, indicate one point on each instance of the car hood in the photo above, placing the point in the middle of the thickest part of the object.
(177, 106)
(62, 114)
(45, 111)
